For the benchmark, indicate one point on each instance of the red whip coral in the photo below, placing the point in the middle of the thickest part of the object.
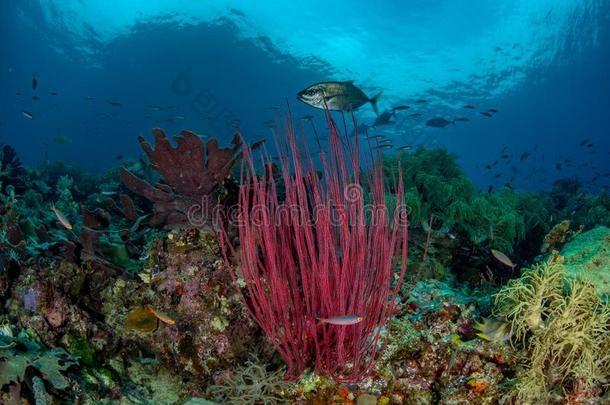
(327, 250)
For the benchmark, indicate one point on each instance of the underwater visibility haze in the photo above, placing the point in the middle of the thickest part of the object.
(273, 202)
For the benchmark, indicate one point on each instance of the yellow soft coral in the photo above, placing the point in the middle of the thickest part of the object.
(564, 329)
(525, 302)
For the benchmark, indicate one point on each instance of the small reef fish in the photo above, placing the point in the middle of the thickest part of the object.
(61, 218)
(405, 147)
(493, 110)
(62, 140)
(422, 101)
(493, 330)
(306, 117)
(35, 98)
(34, 83)
(524, 156)
(384, 118)
(27, 114)
(438, 122)
(401, 108)
(415, 115)
(462, 119)
(89, 98)
(502, 258)
(154, 108)
(485, 113)
(115, 103)
(162, 316)
(337, 96)
(468, 106)
(342, 320)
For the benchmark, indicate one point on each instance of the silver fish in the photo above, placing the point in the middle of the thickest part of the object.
(337, 96)
(342, 320)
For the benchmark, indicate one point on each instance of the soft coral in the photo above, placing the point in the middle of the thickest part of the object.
(191, 172)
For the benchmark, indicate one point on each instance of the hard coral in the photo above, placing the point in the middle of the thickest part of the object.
(209, 331)
(191, 172)
(429, 358)
(556, 237)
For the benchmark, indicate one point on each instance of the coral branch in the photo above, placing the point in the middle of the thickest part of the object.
(320, 253)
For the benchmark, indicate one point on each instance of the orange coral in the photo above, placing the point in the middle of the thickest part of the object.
(343, 392)
(476, 385)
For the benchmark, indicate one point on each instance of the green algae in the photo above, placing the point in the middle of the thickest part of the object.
(82, 349)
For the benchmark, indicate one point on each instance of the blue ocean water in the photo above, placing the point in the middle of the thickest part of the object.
(107, 72)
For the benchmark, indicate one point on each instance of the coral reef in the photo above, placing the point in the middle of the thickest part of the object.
(113, 310)
(191, 172)
(557, 236)
(584, 209)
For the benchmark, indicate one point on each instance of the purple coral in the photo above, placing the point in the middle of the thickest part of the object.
(31, 299)
(191, 172)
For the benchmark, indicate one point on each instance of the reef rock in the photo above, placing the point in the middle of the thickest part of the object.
(587, 257)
